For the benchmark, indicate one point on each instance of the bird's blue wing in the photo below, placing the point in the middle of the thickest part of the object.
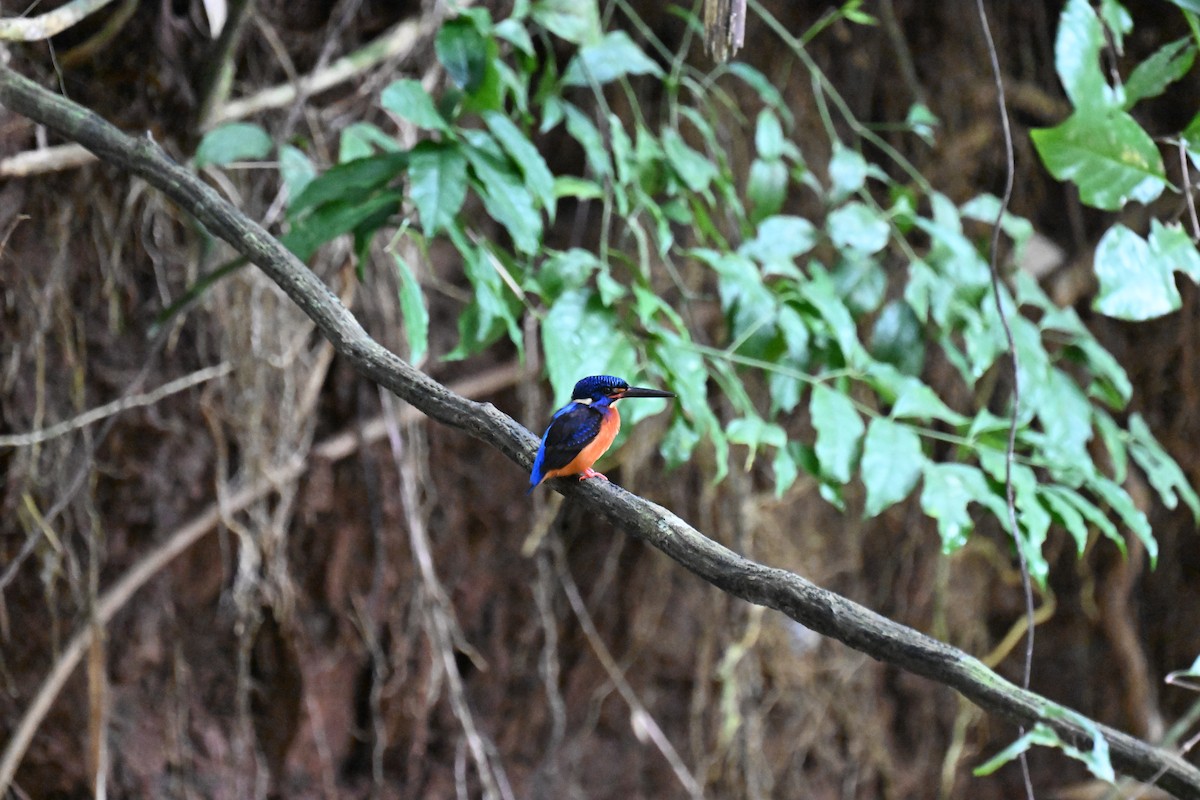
(571, 429)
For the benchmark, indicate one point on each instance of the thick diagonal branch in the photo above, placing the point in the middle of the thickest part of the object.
(821, 610)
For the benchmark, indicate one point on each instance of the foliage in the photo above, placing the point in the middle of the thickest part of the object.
(834, 315)
(1111, 159)
(830, 317)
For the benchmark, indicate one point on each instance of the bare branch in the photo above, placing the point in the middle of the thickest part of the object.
(818, 609)
(43, 26)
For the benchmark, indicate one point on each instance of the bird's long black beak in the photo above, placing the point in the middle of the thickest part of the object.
(637, 391)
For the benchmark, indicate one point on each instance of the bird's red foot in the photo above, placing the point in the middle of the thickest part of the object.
(591, 473)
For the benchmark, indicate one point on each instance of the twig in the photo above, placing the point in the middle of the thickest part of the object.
(639, 716)
(43, 26)
(818, 609)
(116, 407)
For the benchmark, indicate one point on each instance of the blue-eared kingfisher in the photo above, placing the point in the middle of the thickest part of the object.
(582, 430)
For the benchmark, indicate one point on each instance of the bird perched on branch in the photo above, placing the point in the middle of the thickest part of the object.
(581, 431)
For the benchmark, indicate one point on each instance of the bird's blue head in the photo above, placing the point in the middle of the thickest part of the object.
(597, 388)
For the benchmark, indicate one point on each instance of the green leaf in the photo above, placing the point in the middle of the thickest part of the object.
(295, 169)
(1163, 471)
(786, 470)
(577, 21)
(349, 181)
(768, 136)
(755, 432)
(1172, 244)
(1068, 515)
(693, 168)
(898, 338)
(588, 135)
(779, 240)
(847, 172)
(565, 271)
(513, 32)
(1133, 517)
(238, 141)
(463, 51)
(612, 57)
(1107, 155)
(408, 99)
(361, 140)
(412, 308)
(860, 282)
(891, 463)
(1168, 64)
(336, 218)
(1065, 414)
(763, 87)
(1077, 56)
(580, 337)
(438, 184)
(1114, 443)
(858, 226)
(1135, 284)
(1096, 760)
(949, 490)
(1088, 509)
(822, 294)
(839, 429)
(766, 187)
(538, 177)
(504, 193)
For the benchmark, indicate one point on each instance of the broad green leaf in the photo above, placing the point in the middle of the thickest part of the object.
(679, 442)
(779, 240)
(822, 294)
(295, 169)
(1135, 284)
(949, 489)
(237, 141)
(768, 136)
(1088, 509)
(898, 338)
(847, 172)
(437, 184)
(1106, 154)
(909, 397)
(573, 349)
(362, 140)
(1068, 515)
(860, 281)
(588, 135)
(336, 218)
(1168, 64)
(1133, 517)
(985, 208)
(1117, 20)
(1065, 414)
(538, 177)
(921, 121)
(513, 32)
(1164, 472)
(1114, 443)
(695, 169)
(351, 181)
(766, 187)
(463, 51)
(604, 61)
(577, 21)
(504, 194)
(755, 432)
(407, 98)
(786, 470)
(839, 429)
(1077, 56)
(858, 226)
(412, 308)
(566, 270)
(1172, 244)
(891, 463)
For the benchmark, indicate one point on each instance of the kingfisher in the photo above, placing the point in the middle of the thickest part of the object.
(582, 430)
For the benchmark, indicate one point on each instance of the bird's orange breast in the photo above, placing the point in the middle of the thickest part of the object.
(597, 447)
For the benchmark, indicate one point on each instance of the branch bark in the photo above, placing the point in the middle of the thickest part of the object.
(821, 610)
